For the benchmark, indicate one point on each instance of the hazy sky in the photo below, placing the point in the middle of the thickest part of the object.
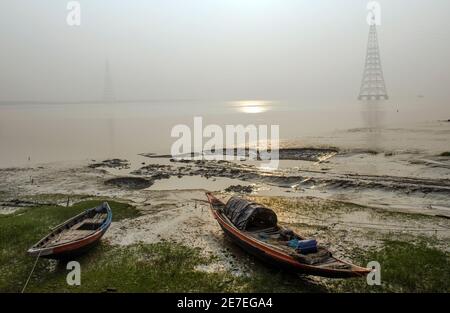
(222, 49)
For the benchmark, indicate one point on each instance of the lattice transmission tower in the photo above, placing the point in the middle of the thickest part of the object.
(108, 87)
(373, 86)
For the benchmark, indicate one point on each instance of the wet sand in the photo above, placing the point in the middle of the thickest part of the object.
(334, 188)
(328, 200)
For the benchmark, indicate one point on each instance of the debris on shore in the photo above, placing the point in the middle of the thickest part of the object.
(239, 189)
(112, 163)
(130, 182)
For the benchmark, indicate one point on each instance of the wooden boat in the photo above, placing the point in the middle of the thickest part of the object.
(261, 236)
(75, 235)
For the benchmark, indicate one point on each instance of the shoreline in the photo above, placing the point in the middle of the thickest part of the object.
(179, 219)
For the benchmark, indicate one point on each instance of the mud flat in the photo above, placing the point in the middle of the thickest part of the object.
(156, 225)
(306, 154)
(336, 181)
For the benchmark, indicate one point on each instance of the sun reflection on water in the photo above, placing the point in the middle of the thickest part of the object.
(252, 106)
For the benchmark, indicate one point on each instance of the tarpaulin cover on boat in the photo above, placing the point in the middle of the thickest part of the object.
(247, 215)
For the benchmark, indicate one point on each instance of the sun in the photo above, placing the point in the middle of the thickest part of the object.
(253, 109)
(252, 106)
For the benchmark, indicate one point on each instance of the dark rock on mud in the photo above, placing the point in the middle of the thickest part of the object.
(239, 189)
(130, 182)
(112, 163)
(306, 154)
(156, 171)
(156, 156)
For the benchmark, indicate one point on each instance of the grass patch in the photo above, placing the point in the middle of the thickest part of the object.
(172, 267)
(307, 205)
(161, 267)
(445, 154)
(20, 230)
(406, 267)
(389, 216)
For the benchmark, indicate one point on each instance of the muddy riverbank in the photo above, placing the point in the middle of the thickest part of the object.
(350, 213)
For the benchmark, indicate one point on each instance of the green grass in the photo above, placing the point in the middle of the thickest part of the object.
(20, 230)
(410, 264)
(406, 267)
(172, 267)
(159, 267)
(307, 205)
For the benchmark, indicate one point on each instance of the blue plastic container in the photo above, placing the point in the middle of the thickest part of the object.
(307, 246)
(293, 243)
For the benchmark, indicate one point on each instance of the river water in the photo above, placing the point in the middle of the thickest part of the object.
(39, 133)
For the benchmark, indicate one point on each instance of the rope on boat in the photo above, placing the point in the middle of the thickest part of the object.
(29, 277)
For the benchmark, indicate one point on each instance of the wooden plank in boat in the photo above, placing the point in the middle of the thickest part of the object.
(70, 235)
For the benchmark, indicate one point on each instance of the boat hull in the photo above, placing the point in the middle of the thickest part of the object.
(69, 250)
(276, 258)
(73, 248)
(283, 265)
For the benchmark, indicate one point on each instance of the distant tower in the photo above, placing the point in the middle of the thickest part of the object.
(108, 88)
(109, 98)
(372, 85)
